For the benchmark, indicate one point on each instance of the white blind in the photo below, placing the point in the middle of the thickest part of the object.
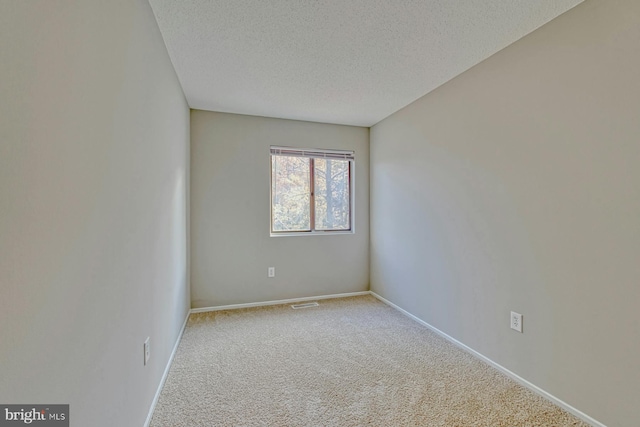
(315, 153)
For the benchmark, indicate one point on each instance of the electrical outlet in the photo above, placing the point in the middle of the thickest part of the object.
(516, 321)
(272, 272)
(147, 351)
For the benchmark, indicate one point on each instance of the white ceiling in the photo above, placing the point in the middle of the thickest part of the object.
(335, 61)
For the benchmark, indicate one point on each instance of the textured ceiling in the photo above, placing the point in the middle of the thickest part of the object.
(336, 61)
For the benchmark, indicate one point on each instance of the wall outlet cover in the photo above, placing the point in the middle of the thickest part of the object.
(516, 321)
(147, 351)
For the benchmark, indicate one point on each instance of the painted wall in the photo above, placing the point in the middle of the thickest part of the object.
(230, 244)
(94, 155)
(516, 186)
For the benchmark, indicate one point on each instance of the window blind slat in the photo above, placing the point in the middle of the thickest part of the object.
(321, 154)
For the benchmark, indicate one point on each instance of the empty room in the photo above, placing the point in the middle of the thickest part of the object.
(319, 213)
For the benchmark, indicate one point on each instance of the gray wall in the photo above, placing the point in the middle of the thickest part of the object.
(230, 244)
(516, 187)
(94, 134)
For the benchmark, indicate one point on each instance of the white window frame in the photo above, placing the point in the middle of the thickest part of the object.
(313, 153)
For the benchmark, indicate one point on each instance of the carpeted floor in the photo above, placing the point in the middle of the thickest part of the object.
(349, 362)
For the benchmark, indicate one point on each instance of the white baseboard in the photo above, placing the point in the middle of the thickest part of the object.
(276, 302)
(584, 417)
(166, 373)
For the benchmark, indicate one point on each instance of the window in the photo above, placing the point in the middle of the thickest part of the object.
(311, 191)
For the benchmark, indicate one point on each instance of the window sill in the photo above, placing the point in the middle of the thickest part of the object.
(311, 233)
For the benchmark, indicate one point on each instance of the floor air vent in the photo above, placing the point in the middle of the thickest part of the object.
(306, 305)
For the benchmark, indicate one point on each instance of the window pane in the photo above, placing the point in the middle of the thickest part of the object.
(290, 192)
(332, 198)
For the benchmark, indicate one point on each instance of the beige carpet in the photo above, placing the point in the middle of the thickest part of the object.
(349, 362)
